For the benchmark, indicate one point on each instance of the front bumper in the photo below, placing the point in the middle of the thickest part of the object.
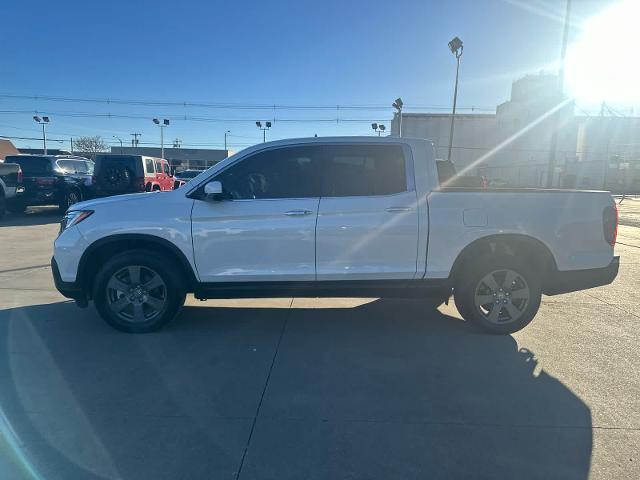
(574, 280)
(67, 289)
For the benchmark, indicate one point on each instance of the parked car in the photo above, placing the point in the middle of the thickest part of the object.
(180, 178)
(10, 184)
(118, 174)
(52, 180)
(343, 216)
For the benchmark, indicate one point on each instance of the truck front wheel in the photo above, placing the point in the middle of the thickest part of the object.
(500, 295)
(138, 291)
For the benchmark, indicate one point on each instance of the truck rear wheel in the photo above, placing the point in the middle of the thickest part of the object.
(500, 295)
(138, 292)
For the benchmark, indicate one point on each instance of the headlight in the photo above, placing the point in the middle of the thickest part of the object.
(73, 217)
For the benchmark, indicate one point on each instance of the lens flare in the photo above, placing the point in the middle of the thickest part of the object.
(600, 65)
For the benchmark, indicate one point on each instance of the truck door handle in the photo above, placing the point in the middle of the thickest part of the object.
(398, 209)
(298, 213)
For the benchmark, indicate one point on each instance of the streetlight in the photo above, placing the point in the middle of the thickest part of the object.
(264, 129)
(43, 121)
(456, 48)
(165, 123)
(119, 139)
(398, 106)
(225, 139)
(378, 128)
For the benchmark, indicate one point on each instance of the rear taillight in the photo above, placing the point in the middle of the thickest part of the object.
(20, 175)
(610, 224)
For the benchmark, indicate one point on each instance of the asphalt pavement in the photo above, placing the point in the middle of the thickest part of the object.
(295, 388)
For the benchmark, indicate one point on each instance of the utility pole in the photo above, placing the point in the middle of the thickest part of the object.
(71, 145)
(553, 144)
(225, 139)
(176, 143)
(134, 140)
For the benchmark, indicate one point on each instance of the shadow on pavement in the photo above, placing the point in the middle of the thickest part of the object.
(33, 216)
(384, 390)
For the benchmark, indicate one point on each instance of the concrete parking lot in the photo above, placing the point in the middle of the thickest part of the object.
(314, 389)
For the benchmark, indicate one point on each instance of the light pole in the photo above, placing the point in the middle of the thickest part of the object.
(398, 106)
(456, 48)
(165, 123)
(264, 129)
(119, 139)
(378, 128)
(227, 132)
(43, 121)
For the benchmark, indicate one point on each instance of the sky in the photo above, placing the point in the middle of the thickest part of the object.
(243, 54)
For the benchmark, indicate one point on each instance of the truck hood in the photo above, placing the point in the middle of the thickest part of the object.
(130, 197)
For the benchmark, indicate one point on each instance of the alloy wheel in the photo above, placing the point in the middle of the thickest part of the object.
(136, 294)
(502, 296)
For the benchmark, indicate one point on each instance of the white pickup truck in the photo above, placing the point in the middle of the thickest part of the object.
(343, 216)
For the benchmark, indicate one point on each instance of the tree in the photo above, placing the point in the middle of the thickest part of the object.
(90, 145)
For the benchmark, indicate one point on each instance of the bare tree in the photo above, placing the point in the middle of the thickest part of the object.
(90, 145)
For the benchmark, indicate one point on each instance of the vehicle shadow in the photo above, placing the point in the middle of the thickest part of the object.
(398, 391)
(32, 216)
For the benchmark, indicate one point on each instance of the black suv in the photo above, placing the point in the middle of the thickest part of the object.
(52, 180)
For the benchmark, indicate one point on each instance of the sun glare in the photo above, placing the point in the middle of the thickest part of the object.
(600, 65)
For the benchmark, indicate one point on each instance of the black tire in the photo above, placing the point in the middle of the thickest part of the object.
(70, 197)
(508, 310)
(171, 293)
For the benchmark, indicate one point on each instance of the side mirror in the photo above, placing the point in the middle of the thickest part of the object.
(213, 189)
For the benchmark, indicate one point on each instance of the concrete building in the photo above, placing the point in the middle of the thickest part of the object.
(182, 158)
(511, 147)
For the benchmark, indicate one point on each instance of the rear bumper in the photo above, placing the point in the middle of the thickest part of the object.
(67, 289)
(574, 280)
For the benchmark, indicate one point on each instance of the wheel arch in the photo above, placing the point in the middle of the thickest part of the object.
(101, 250)
(534, 252)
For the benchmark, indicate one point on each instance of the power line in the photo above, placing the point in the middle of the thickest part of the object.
(191, 117)
(231, 105)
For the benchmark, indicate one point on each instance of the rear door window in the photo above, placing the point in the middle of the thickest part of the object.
(363, 170)
(158, 167)
(149, 166)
